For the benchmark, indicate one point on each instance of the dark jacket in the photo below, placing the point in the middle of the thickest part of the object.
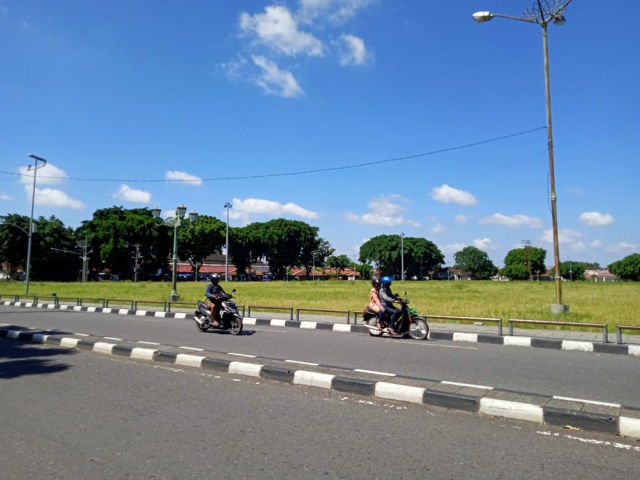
(387, 296)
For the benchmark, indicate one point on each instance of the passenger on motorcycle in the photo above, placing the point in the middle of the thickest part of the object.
(215, 295)
(374, 297)
(387, 297)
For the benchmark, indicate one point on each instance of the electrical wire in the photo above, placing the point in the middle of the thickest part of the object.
(302, 172)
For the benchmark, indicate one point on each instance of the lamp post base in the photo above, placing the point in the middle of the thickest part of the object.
(174, 297)
(559, 308)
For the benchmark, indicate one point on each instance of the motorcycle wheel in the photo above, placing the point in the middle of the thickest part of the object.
(201, 328)
(236, 326)
(418, 329)
(373, 333)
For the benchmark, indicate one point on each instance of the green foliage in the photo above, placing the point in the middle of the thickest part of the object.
(474, 260)
(339, 263)
(628, 268)
(386, 251)
(114, 232)
(521, 263)
(199, 239)
(571, 270)
(284, 243)
(51, 247)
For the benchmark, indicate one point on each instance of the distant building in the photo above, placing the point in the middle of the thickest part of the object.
(604, 276)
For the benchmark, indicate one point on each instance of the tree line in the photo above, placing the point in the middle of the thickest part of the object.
(134, 244)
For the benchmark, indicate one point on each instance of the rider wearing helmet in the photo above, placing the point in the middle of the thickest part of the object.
(387, 297)
(215, 295)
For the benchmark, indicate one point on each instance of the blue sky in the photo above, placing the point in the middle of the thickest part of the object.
(361, 117)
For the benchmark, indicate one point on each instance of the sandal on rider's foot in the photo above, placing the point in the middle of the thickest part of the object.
(392, 331)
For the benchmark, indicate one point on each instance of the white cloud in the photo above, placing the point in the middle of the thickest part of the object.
(128, 194)
(461, 219)
(275, 81)
(5, 197)
(175, 175)
(244, 209)
(51, 197)
(48, 174)
(385, 210)
(596, 244)
(596, 219)
(335, 11)
(484, 244)
(623, 247)
(353, 51)
(277, 29)
(565, 236)
(512, 220)
(438, 228)
(447, 194)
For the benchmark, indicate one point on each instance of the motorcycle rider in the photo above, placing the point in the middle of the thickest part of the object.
(215, 296)
(375, 305)
(387, 297)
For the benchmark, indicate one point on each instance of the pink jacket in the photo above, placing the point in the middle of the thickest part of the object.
(374, 300)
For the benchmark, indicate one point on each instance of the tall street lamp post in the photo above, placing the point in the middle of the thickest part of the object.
(35, 168)
(175, 222)
(542, 16)
(402, 256)
(226, 249)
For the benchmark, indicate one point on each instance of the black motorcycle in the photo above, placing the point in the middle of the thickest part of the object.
(230, 318)
(410, 323)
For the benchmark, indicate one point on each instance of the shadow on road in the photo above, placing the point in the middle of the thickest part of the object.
(18, 360)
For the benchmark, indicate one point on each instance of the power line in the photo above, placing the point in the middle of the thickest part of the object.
(302, 172)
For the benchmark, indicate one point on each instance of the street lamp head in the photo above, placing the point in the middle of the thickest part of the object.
(558, 19)
(181, 211)
(193, 216)
(482, 17)
(37, 158)
(155, 212)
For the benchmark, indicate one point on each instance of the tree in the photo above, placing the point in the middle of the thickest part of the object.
(200, 239)
(48, 239)
(285, 243)
(14, 237)
(628, 268)
(386, 251)
(315, 253)
(571, 270)
(519, 263)
(475, 261)
(114, 232)
(339, 263)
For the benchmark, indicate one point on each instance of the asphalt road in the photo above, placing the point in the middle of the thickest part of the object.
(591, 376)
(78, 415)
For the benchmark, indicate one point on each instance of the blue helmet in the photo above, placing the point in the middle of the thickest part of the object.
(386, 281)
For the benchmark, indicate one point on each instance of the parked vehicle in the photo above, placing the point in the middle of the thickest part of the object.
(410, 323)
(230, 318)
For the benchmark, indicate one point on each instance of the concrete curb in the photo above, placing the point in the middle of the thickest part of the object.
(484, 400)
(520, 341)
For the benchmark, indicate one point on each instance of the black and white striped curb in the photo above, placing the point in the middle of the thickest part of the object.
(484, 400)
(519, 341)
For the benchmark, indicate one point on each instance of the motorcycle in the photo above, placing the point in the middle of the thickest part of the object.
(410, 323)
(230, 318)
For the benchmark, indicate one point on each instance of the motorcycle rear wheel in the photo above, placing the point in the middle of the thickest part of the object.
(418, 328)
(235, 326)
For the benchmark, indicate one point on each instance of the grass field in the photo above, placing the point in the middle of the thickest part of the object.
(610, 303)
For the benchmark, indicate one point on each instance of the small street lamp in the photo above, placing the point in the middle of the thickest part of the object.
(174, 222)
(542, 16)
(226, 256)
(35, 168)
